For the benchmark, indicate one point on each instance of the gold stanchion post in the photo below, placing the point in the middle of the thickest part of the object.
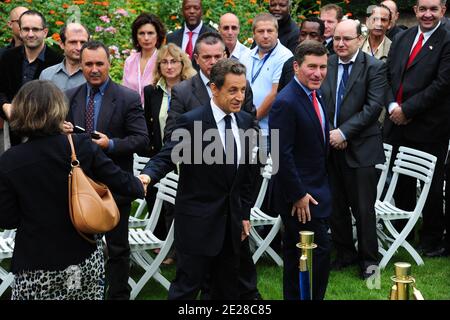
(306, 245)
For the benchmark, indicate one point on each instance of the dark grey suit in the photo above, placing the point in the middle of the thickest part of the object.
(354, 167)
(190, 94)
(121, 118)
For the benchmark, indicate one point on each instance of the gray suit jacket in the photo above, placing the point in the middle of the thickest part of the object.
(360, 109)
(190, 94)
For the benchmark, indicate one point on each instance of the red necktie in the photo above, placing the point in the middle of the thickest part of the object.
(413, 54)
(316, 106)
(189, 44)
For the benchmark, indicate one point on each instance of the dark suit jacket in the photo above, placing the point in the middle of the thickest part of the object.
(426, 83)
(190, 94)
(34, 199)
(330, 48)
(303, 152)
(360, 109)
(287, 73)
(288, 33)
(153, 97)
(177, 38)
(121, 118)
(11, 72)
(205, 194)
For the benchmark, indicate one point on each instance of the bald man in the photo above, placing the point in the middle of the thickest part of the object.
(13, 24)
(393, 27)
(68, 74)
(229, 28)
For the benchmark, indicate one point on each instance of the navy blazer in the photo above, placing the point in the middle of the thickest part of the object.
(205, 194)
(303, 152)
(34, 199)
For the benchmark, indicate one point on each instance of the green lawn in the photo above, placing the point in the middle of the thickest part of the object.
(432, 280)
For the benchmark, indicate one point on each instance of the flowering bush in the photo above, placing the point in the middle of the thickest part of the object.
(110, 21)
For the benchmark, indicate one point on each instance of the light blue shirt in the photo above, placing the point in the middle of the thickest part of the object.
(269, 75)
(61, 78)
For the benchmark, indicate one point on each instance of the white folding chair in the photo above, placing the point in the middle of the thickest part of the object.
(140, 216)
(6, 250)
(384, 168)
(259, 218)
(143, 240)
(415, 164)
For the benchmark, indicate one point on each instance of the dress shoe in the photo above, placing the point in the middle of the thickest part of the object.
(339, 264)
(437, 252)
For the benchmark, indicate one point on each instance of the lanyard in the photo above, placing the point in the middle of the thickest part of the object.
(262, 65)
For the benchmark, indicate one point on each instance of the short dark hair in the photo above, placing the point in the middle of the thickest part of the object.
(335, 7)
(224, 67)
(40, 109)
(209, 38)
(34, 13)
(309, 47)
(315, 20)
(148, 18)
(372, 7)
(94, 45)
(62, 32)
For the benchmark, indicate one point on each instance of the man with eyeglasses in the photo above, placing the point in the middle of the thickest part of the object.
(22, 64)
(229, 30)
(353, 93)
(419, 112)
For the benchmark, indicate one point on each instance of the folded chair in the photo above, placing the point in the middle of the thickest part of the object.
(6, 250)
(142, 240)
(415, 164)
(140, 216)
(259, 218)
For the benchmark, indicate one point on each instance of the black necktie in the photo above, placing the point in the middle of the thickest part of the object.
(230, 146)
(89, 117)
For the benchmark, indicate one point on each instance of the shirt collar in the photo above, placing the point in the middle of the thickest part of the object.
(218, 113)
(427, 34)
(196, 30)
(204, 78)
(101, 89)
(162, 84)
(307, 91)
(353, 59)
(41, 55)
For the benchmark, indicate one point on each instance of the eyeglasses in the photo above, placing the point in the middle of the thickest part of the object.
(169, 62)
(12, 21)
(344, 39)
(27, 30)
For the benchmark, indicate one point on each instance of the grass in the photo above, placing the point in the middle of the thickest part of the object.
(431, 280)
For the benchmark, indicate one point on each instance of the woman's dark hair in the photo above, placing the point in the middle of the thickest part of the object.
(38, 109)
(145, 18)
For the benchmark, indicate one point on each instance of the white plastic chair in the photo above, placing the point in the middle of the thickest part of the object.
(416, 164)
(140, 216)
(142, 240)
(6, 250)
(384, 168)
(259, 218)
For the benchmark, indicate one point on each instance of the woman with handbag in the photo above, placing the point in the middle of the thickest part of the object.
(51, 260)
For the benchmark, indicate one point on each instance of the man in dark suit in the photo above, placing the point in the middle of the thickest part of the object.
(213, 201)
(195, 93)
(394, 28)
(352, 92)
(418, 104)
(287, 28)
(116, 115)
(13, 23)
(331, 14)
(301, 192)
(22, 64)
(193, 27)
(311, 29)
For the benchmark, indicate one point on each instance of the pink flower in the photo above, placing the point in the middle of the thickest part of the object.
(111, 30)
(105, 19)
(122, 12)
(98, 29)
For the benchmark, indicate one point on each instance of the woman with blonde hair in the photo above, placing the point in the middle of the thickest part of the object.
(50, 259)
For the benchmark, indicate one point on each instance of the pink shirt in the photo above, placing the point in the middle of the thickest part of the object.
(132, 77)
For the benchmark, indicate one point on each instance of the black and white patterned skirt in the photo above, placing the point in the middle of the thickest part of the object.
(84, 281)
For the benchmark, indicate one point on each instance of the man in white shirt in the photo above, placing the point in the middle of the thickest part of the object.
(229, 28)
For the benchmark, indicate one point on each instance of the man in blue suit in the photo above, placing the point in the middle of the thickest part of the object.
(301, 191)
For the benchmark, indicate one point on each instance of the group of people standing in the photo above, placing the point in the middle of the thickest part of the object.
(322, 86)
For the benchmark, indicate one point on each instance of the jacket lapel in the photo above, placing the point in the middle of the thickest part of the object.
(404, 55)
(357, 68)
(332, 80)
(427, 48)
(200, 91)
(107, 108)
(78, 106)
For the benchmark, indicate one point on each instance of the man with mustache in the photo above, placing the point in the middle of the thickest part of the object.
(115, 114)
(377, 44)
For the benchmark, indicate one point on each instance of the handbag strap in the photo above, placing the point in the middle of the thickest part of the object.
(74, 161)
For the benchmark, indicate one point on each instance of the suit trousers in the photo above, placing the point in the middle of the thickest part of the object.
(354, 188)
(405, 194)
(321, 256)
(118, 261)
(193, 270)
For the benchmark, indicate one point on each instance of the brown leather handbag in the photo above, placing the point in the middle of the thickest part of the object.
(91, 204)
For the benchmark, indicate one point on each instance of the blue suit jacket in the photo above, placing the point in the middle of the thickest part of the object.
(303, 152)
